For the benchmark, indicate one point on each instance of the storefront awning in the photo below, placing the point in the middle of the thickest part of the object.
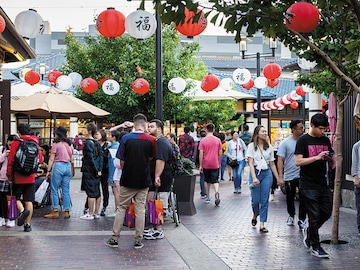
(13, 47)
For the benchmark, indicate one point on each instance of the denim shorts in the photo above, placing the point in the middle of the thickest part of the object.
(211, 176)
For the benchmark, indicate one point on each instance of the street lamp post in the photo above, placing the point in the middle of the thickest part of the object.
(243, 48)
(158, 55)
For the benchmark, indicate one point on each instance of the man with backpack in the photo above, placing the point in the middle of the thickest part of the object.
(23, 162)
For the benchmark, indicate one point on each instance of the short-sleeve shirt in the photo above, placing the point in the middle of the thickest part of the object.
(186, 145)
(211, 146)
(313, 175)
(286, 150)
(268, 154)
(136, 149)
(63, 151)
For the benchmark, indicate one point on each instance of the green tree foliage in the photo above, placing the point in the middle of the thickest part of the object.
(99, 57)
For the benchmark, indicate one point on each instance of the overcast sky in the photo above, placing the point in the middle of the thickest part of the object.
(78, 13)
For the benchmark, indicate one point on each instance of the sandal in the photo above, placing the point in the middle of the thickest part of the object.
(253, 222)
(264, 230)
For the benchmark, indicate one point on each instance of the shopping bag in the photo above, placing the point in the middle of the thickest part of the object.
(129, 220)
(12, 208)
(41, 191)
(159, 212)
(151, 217)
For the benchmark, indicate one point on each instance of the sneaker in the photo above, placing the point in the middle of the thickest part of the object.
(203, 196)
(271, 199)
(87, 217)
(112, 243)
(147, 231)
(2, 221)
(290, 221)
(305, 239)
(302, 225)
(217, 198)
(96, 216)
(154, 234)
(319, 252)
(103, 212)
(207, 200)
(10, 223)
(138, 245)
(27, 228)
(22, 216)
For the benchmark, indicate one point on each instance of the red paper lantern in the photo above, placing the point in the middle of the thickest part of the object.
(323, 103)
(300, 91)
(102, 80)
(190, 28)
(89, 85)
(272, 71)
(141, 86)
(210, 82)
(53, 75)
(111, 23)
(294, 105)
(273, 83)
(248, 85)
(2, 24)
(302, 17)
(32, 77)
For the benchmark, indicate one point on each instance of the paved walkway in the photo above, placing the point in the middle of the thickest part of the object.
(215, 238)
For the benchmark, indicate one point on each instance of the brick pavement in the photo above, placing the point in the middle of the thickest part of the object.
(214, 238)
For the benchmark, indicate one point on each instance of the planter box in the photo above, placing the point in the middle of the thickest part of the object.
(184, 188)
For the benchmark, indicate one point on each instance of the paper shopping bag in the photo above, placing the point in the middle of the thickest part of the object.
(41, 191)
(130, 216)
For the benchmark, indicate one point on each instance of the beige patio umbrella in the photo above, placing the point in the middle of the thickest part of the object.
(55, 103)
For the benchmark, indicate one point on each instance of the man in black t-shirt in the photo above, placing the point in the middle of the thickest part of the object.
(161, 173)
(313, 154)
(136, 150)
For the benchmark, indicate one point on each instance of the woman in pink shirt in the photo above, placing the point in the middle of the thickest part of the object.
(59, 166)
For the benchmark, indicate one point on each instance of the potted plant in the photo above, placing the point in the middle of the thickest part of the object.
(184, 187)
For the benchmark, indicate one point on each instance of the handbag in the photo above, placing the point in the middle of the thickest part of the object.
(129, 220)
(233, 163)
(71, 162)
(12, 208)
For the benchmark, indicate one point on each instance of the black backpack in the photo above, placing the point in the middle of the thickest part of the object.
(27, 157)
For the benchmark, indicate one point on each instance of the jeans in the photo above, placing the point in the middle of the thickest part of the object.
(202, 184)
(60, 177)
(126, 194)
(318, 203)
(237, 174)
(357, 204)
(260, 194)
(290, 187)
(223, 166)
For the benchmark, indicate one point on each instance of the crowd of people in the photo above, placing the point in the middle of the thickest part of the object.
(134, 159)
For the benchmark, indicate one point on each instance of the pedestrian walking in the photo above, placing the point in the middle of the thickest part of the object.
(289, 174)
(261, 158)
(197, 163)
(210, 155)
(187, 144)
(313, 154)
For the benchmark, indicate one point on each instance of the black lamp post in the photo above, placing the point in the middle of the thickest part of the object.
(243, 48)
(158, 56)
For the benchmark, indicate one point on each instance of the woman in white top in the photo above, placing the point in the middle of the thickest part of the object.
(261, 158)
(235, 150)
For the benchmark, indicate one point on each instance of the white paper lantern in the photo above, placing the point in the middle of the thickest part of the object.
(227, 84)
(63, 82)
(255, 106)
(23, 72)
(278, 102)
(177, 85)
(267, 106)
(29, 24)
(241, 76)
(76, 78)
(260, 82)
(294, 96)
(285, 100)
(272, 105)
(110, 87)
(280, 108)
(140, 24)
